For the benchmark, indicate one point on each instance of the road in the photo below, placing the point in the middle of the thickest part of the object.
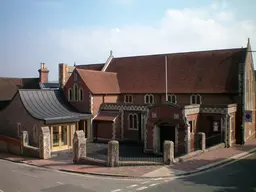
(236, 177)
(25, 178)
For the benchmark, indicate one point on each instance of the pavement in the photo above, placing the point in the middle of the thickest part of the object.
(194, 165)
(237, 176)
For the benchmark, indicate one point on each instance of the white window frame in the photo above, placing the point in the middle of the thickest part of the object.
(149, 97)
(170, 98)
(135, 125)
(196, 99)
(79, 96)
(76, 91)
(70, 94)
(19, 130)
(128, 98)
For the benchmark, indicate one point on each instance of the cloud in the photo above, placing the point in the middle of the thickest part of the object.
(178, 30)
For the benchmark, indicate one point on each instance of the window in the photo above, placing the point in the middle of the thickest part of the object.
(191, 126)
(128, 99)
(195, 99)
(19, 131)
(81, 94)
(133, 121)
(172, 98)
(75, 76)
(70, 94)
(75, 92)
(149, 99)
(216, 126)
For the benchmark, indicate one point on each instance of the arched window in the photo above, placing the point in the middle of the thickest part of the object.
(149, 99)
(128, 98)
(75, 92)
(195, 99)
(70, 94)
(172, 98)
(81, 94)
(133, 121)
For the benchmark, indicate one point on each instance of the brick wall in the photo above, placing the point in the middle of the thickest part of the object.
(16, 113)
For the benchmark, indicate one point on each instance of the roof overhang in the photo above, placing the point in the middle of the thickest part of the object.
(67, 119)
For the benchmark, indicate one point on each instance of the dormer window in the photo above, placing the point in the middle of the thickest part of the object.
(128, 99)
(195, 99)
(172, 98)
(149, 99)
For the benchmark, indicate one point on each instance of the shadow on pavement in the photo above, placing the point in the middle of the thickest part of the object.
(239, 176)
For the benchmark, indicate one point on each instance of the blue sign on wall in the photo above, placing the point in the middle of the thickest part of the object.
(248, 116)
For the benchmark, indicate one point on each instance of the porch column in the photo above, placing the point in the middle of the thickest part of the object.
(187, 139)
(224, 129)
(156, 142)
(122, 123)
(229, 130)
(89, 129)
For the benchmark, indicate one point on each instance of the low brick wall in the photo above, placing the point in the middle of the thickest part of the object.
(11, 145)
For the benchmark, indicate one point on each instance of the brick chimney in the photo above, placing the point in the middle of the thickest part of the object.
(64, 73)
(43, 73)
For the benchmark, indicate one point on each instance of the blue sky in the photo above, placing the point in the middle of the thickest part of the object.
(83, 31)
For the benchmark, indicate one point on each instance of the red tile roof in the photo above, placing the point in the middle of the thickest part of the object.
(193, 72)
(107, 116)
(9, 86)
(100, 82)
(96, 67)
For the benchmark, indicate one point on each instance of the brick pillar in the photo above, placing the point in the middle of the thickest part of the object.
(113, 153)
(44, 143)
(79, 146)
(24, 140)
(168, 152)
(201, 141)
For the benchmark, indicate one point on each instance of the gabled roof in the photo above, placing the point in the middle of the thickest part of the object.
(50, 106)
(97, 67)
(9, 86)
(99, 82)
(213, 71)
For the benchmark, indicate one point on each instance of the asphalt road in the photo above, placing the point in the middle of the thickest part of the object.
(236, 177)
(25, 178)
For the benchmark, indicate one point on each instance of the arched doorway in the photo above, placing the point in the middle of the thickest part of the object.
(166, 132)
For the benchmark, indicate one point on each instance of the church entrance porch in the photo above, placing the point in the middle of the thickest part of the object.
(167, 132)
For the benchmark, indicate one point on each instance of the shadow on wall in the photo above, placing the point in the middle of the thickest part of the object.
(236, 177)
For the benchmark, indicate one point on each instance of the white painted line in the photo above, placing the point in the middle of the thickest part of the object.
(145, 182)
(60, 183)
(157, 179)
(141, 188)
(131, 186)
(116, 190)
(154, 184)
(1, 190)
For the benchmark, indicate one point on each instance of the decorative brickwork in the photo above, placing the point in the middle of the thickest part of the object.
(44, 143)
(113, 153)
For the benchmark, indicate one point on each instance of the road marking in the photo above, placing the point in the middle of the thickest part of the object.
(131, 186)
(60, 183)
(144, 182)
(1, 190)
(157, 179)
(154, 184)
(141, 188)
(116, 190)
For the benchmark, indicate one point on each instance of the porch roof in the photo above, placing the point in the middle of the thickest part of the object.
(50, 106)
(107, 116)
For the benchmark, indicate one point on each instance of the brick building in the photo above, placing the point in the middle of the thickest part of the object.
(154, 98)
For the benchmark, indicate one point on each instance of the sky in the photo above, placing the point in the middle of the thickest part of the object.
(84, 31)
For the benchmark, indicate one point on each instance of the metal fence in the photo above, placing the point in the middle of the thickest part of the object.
(97, 151)
(213, 140)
